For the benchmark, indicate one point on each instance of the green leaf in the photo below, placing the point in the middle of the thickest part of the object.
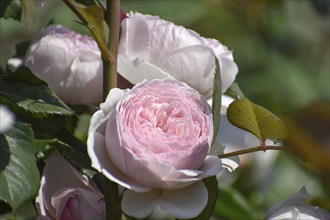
(22, 73)
(235, 91)
(10, 9)
(19, 175)
(44, 148)
(92, 16)
(211, 184)
(69, 146)
(36, 99)
(232, 205)
(216, 99)
(256, 119)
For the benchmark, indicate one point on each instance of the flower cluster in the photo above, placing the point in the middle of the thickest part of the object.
(153, 138)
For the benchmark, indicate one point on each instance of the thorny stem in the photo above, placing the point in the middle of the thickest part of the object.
(255, 149)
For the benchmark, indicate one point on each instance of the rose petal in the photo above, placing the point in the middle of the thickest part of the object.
(184, 65)
(101, 162)
(211, 166)
(77, 203)
(86, 75)
(135, 30)
(181, 203)
(295, 207)
(140, 205)
(44, 66)
(102, 115)
(228, 70)
(187, 202)
(230, 163)
(138, 70)
(297, 199)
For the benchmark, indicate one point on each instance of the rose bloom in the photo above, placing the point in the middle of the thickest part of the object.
(152, 48)
(69, 62)
(154, 140)
(295, 208)
(65, 194)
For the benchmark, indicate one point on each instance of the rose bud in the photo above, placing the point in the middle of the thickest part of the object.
(65, 194)
(69, 62)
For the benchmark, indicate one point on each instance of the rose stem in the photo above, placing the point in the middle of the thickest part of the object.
(254, 149)
(97, 37)
(112, 17)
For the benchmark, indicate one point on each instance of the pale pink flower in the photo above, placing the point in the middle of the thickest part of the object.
(154, 141)
(295, 208)
(69, 62)
(152, 48)
(66, 194)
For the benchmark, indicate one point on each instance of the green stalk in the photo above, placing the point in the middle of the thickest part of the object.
(112, 17)
(106, 55)
(109, 52)
(112, 200)
(255, 149)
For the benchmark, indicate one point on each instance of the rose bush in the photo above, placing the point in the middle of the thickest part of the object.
(152, 48)
(65, 194)
(69, 62)
(295, 208)
(154, 141)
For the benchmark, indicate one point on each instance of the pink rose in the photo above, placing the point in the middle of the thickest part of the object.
(152, 48)
(154, 141)
(69, 62)
(67, 195)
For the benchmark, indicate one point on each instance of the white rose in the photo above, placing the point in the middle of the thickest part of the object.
(69, 62)
(295, 208)
(153, 48)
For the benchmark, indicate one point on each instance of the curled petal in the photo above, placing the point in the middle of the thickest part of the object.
(101, 162)
(138, 70)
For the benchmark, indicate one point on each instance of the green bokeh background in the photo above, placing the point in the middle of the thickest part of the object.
(282, 50)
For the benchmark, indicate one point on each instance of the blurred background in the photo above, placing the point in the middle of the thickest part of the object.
(282, 49)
